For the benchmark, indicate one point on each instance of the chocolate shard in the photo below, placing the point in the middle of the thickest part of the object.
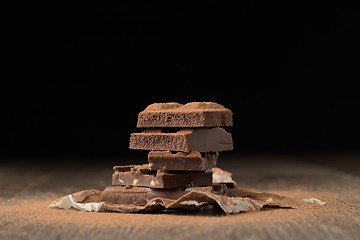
(185, 140)
(180, 161)
(142, 176)
(194, 114)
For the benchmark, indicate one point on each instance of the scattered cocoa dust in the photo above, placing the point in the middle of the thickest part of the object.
(28, 216)
(25, 212)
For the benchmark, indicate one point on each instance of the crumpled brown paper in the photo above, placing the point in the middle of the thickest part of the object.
(198, 198)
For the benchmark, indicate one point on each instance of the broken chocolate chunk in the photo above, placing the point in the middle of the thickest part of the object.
(187, 139)
(194, 114)
(140, 175)
(140, 196)
(180, 161)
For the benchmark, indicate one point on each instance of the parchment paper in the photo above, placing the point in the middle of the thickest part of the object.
(203, 198)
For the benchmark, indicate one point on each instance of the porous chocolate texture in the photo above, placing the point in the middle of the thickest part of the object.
(142, 176)
(197, 139)
(180, 161)
(194, 114)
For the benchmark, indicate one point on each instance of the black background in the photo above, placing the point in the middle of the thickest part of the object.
(82, 75)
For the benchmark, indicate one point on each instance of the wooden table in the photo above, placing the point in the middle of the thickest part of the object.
(26, 191)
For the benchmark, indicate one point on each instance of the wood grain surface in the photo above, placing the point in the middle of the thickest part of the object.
(26, 190)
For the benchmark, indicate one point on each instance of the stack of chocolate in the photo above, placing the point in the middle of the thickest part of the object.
(184, 143)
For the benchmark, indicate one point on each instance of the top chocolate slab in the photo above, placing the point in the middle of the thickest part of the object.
(194, 114)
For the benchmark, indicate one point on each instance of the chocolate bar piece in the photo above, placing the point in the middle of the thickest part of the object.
(142, 176)
(138, 195)
(187, 139)
(194, 114)
(142, 195)
(180, 161)
(125, 195)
